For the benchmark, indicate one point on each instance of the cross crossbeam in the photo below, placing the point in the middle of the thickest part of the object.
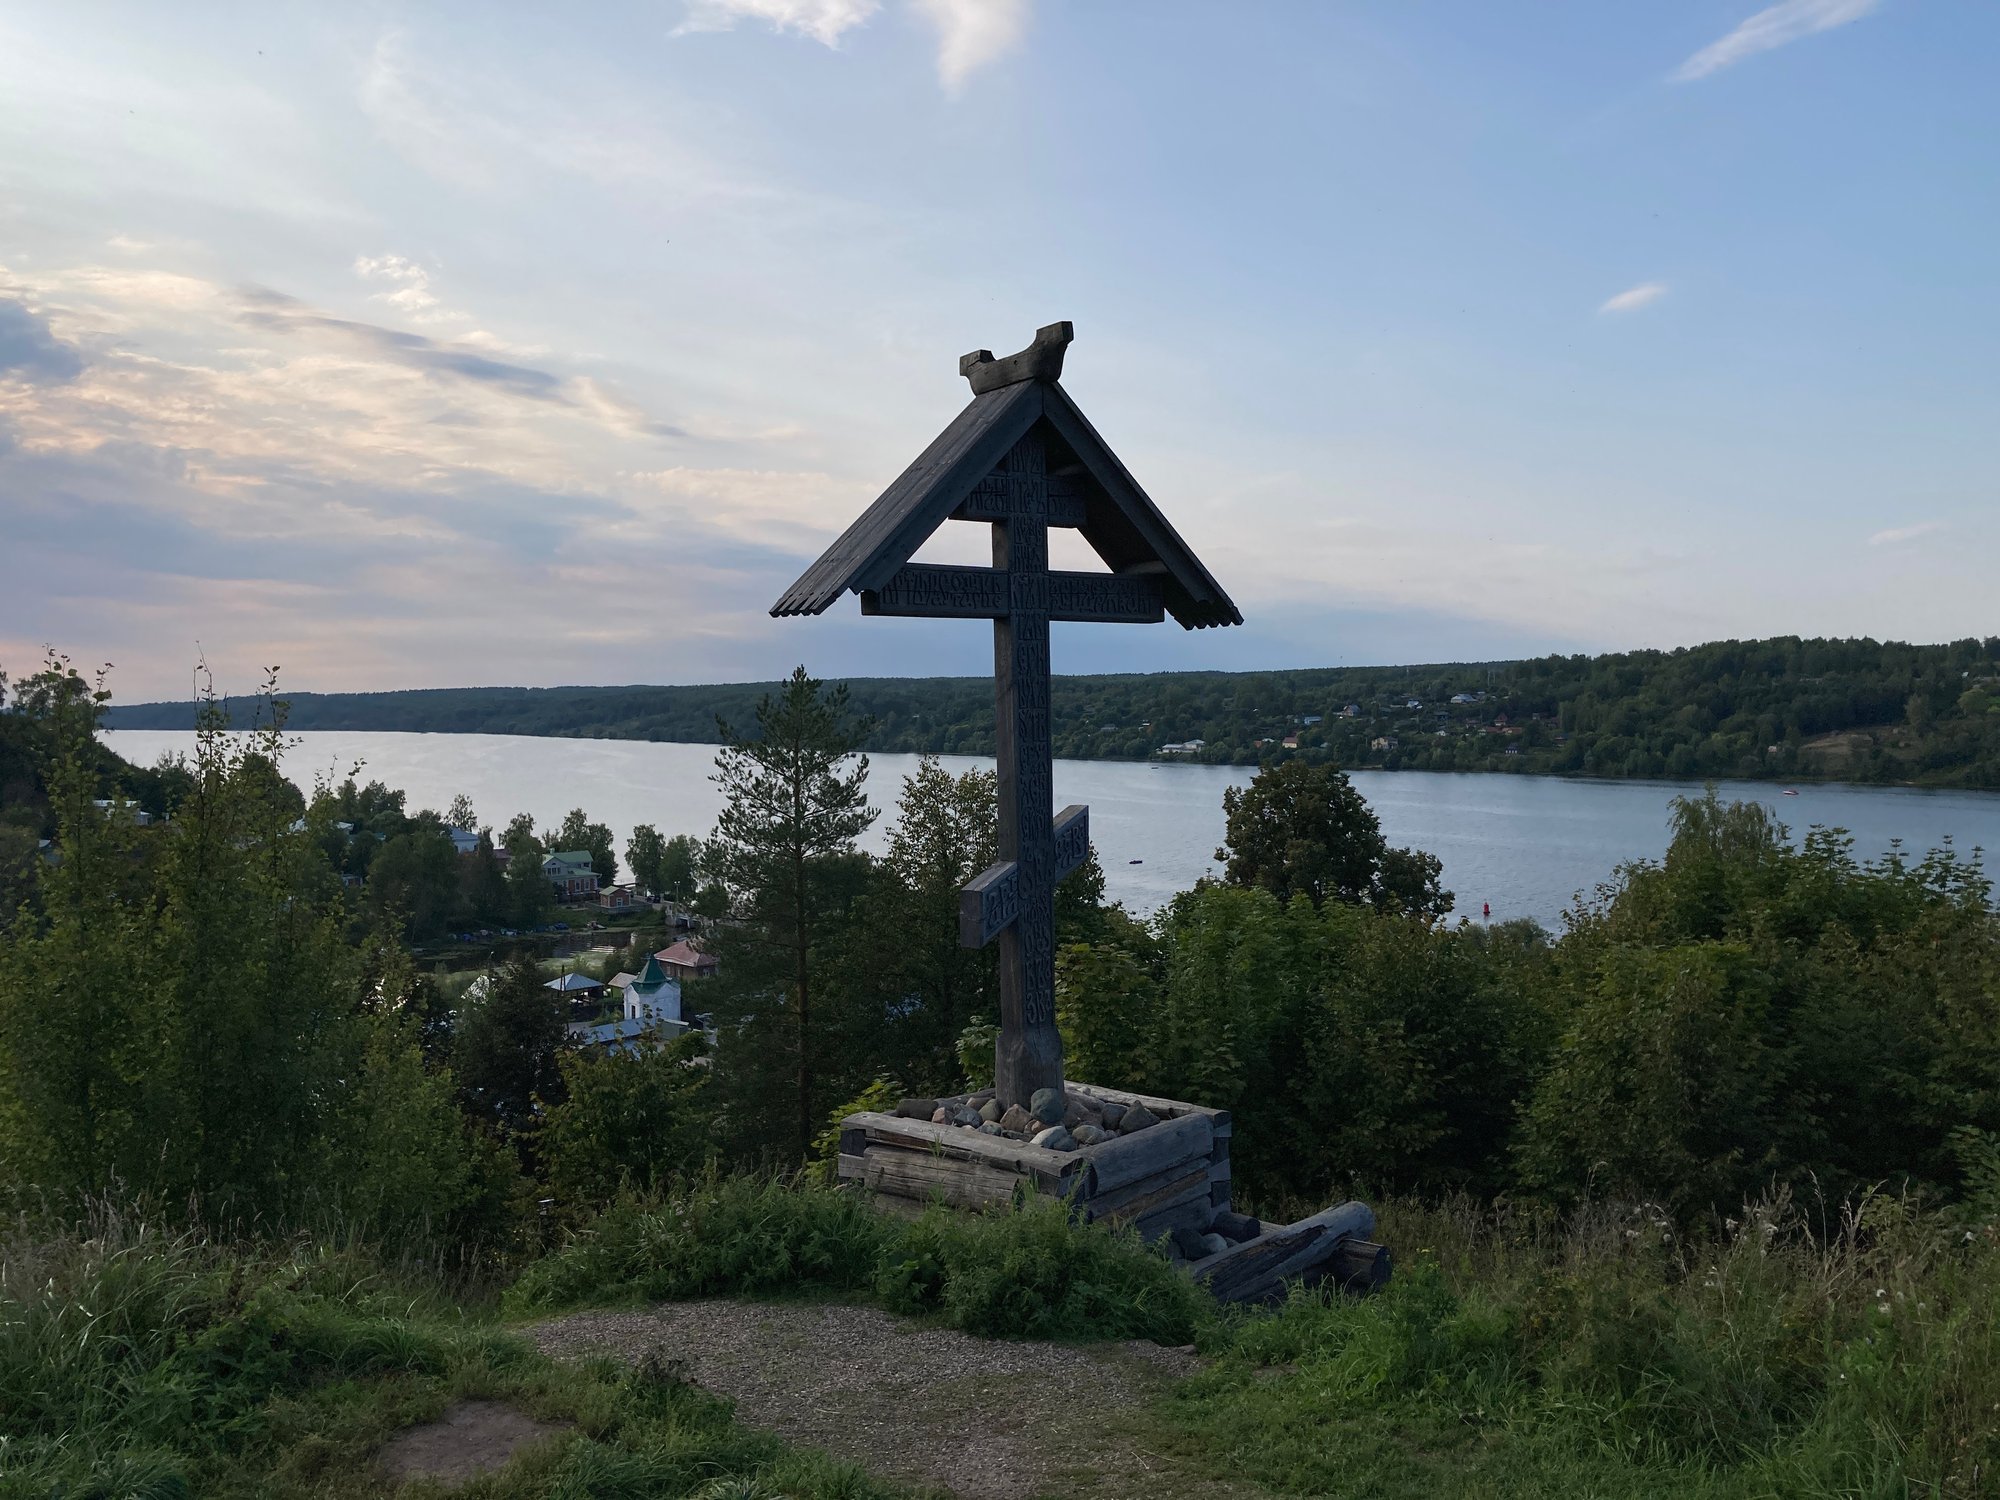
(949, 591)
(993, 898)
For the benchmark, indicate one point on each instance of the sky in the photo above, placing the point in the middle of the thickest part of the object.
(404, 346)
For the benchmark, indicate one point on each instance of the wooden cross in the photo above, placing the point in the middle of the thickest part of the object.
(1021, 459)
(1014, 900)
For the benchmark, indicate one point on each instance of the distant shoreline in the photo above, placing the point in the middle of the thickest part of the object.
(1853, 712)
(1524, 772)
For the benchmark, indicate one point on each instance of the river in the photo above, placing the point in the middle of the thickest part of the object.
(1525, 845)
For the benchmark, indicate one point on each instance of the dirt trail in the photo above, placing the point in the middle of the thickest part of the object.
(927, 1406)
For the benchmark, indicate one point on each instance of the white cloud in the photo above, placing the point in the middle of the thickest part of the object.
(972, 33)
(825, 21)
(1634, 297)
(412, 283)
(1897, 534)
(1786, 22)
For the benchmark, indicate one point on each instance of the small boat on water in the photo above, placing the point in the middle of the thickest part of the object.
(1135, 861)
(1790, 793)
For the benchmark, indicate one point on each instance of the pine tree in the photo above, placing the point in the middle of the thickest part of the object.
(784, 849)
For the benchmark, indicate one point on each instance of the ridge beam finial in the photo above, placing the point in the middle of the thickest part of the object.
(1041, 360)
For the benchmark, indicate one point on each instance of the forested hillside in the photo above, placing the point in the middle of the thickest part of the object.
(1784, 708)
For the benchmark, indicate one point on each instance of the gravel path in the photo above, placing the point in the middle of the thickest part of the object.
(928, 1406)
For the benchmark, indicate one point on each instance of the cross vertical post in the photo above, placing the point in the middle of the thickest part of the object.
(1028, 1051)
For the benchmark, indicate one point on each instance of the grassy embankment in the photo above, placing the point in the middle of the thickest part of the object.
(1855, 1354)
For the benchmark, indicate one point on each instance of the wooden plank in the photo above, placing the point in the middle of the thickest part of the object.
(1116, 598)
(923, 1177)
(988, 903)
(1149, 1152)
(1142, 1198)
(992, 899)
(1054, 1171)
(940, 591)
(990, 501)
(851, 1169)
(1218, 1119)
(1191, 1213)
(1258, 1269)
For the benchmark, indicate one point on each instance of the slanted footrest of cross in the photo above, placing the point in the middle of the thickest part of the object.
(991, 901)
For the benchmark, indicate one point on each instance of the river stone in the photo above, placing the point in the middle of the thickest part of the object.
(1113, 1113)
(917, 1109)
(966, 1116)
(978, 1100)
(1234, 1226)
(1048, 1105)
(1214, 1243)
(940, 1116)
(1079, 1110)
(1016, 1119)
(1091, 1135)
(1189, 1241)
(990, 1128)
(991, 1110)
(1138, 1117)
(1055, 1138)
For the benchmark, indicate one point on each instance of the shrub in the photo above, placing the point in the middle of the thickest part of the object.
(713, 1236)
(1036, 1273)
(1031, 1272)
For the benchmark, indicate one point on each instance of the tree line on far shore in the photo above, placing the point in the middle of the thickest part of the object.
(1784, 708)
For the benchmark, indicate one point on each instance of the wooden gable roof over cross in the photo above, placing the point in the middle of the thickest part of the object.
(958, 477)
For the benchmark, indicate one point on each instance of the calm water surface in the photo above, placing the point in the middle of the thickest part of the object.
(1526, 845)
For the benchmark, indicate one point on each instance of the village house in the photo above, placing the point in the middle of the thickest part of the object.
(1383, 742)
(124, 807)
(464, 840)
(682, 960)
(617, 898)
(570, 872)
(1185, 747)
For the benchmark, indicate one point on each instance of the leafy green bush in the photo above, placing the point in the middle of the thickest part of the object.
(1028, 1273)
(713, 1236)
(1035, 1273)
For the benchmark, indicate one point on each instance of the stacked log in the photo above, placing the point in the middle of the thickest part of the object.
(1173, 1173)
(1258, 1270)
(1168, 1179)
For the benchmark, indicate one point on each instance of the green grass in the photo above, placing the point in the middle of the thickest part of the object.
(1810, 1354)
(1030, 1273)
(1606, 1356)
(140, 1363)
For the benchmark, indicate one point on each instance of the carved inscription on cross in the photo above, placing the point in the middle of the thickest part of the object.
(1015, 899)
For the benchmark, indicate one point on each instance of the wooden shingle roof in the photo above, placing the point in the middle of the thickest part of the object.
(1120, 521)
